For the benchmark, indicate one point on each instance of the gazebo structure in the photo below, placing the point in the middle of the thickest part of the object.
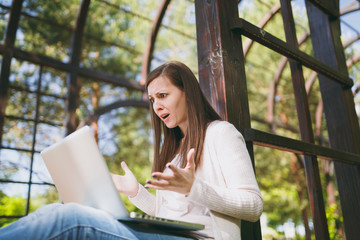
(220, 33)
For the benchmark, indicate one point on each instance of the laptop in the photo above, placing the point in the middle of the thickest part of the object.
(81, 175)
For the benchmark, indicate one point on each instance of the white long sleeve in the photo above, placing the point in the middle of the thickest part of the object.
(228, 186)
(144, 201)
(225, 184)
(238, 203)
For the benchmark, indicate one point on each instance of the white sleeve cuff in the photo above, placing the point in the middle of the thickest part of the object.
(144, 200)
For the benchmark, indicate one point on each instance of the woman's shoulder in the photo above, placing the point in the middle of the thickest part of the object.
(222, 134)
(220, 126)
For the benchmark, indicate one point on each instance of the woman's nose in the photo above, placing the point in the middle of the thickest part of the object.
(157, 105)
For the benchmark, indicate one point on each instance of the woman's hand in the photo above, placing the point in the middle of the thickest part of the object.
(126, 184)
(181, 179)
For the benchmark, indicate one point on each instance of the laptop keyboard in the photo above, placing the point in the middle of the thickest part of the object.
(148, 217)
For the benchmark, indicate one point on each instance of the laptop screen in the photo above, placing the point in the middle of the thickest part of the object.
(80, 173)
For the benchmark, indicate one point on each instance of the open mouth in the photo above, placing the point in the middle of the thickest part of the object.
(163, 117)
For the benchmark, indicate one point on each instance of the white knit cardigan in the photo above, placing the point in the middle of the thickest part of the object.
(229, 188)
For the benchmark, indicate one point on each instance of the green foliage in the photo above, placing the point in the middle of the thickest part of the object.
(334, 220)
(49, 196)
(131, 143)
(49, 39)
(10, 206)
(3, 21)
(276, 181)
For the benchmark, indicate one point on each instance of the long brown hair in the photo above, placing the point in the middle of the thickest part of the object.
(199, 112)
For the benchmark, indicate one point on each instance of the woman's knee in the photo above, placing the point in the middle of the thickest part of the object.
(82, 220)
(71, 219)
(79, 214)
(71, 209)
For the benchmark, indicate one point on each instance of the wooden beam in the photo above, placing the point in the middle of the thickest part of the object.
(148, 52)
(261, 36)
(107, 78)
(305, 125)
(329, 7)
(266, 19)
(265, 139)
(222, 72)
(115, 105)
(10, 36)
(342, 122)
(68, 67)
(73, 85)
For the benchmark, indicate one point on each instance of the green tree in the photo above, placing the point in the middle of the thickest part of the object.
(10, 206)
(113, 43)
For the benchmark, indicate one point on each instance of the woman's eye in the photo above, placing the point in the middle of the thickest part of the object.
(162, 95)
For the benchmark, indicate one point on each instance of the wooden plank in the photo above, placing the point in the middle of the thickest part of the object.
(148, 52)
(306, 132)
(107, 78)
(339, 108)
(263, 22)
(261, 36)
(84, 72)
(41, 60)
(221, 62)
(328, 7)
(52, 123)
(265, 139)
(115, 105)
(222, 72)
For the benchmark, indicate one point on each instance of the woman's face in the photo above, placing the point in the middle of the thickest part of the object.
(168, 103)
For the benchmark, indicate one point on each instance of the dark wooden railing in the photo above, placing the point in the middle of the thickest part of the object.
(221, 64)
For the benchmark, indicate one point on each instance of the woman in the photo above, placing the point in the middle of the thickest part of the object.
(202, 171)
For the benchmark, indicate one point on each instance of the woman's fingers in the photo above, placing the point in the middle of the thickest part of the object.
(159, 175)
(151, 186)
(159, 183)
(179, 180)
(190, 159)
(125, 167)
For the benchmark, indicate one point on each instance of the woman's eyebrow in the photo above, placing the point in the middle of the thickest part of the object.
(160, 92)
(157, 92)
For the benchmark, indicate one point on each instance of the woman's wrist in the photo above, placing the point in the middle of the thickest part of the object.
(135, 193)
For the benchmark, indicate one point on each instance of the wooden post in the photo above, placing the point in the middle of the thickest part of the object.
(72, 80)
(222, 72)
(305, 126)
(10, 36)
(342, 122)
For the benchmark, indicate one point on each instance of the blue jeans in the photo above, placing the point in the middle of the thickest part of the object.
(74, 221)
